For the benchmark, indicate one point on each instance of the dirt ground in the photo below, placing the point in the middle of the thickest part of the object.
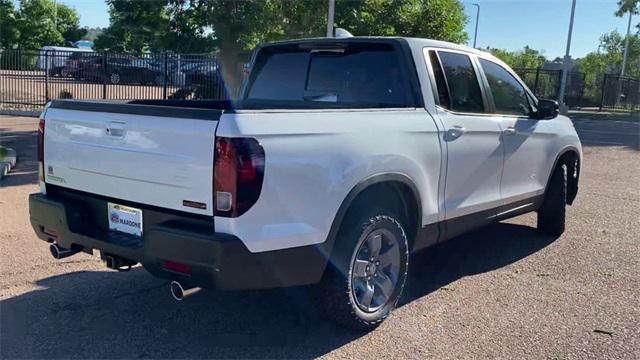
(500, 292)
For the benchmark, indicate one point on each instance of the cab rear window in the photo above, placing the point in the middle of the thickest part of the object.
(361, 75)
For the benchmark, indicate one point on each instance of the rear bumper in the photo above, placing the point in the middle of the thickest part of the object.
(216, 260)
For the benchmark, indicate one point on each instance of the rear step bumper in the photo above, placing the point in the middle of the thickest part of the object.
(216, 260)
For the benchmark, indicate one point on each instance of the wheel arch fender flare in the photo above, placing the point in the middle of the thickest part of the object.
(573, 182)
(359, 188)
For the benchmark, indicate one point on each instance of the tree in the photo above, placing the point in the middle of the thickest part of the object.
(625, 6)
(234, 27)
(36, 24)
(92, 33)
(8, 29)
(434, 19)
(525, 58)
(135, 26)
(43, 22)
(239, 25)
(150, 26)
(67, 23)
(609, 61)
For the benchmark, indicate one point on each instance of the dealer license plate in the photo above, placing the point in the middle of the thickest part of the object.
(125, 219)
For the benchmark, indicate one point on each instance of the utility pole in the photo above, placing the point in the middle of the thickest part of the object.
(626, 46)
(475, 34)
(330, 15)
(567, 61)
(55, 13)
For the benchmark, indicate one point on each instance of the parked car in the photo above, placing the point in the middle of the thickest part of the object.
(73, 67)
(54, 58)
(201, 74)
(342, 157)
(119, 70)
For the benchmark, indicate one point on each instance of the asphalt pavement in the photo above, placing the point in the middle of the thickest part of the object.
(501, 292)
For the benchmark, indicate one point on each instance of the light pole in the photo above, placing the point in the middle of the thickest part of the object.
(626, 45)
(567, 61)
(475, 34)
(330, 15)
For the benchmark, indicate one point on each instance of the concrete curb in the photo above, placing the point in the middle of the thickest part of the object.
(8, 162)
(20, 113)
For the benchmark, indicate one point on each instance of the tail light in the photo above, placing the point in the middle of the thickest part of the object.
(41, 150)
(238, 174)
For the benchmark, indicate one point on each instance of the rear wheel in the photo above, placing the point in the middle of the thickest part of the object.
(115, 78)
(369, 270)
(552, 213)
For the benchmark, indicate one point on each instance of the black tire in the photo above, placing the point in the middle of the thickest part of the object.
(337, 294)
(552, 213)
(115, 78)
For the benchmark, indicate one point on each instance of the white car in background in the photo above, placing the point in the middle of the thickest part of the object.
(53, 59)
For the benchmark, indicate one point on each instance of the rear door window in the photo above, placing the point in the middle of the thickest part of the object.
(461, 83)
(357, 75)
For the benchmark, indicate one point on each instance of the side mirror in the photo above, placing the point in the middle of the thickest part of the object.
(547, 109)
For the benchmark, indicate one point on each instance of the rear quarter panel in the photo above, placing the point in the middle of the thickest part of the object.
(314, 158)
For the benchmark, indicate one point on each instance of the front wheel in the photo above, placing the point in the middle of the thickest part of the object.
(552, 213)
(368, 271)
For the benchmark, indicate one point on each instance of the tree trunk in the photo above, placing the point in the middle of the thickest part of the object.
(231, 67)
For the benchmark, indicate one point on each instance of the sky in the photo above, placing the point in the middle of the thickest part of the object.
(505, 24)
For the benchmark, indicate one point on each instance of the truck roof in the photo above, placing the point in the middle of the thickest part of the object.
(413, 41)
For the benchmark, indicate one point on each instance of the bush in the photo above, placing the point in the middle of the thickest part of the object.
(65, 94)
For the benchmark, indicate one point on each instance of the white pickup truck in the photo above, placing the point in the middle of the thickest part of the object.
(342, 157)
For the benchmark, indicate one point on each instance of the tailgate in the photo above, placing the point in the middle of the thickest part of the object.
(152, 155)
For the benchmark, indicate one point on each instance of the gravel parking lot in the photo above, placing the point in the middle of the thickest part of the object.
(500, 292)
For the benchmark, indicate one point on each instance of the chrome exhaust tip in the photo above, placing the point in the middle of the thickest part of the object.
(60, 253)
(179, 292)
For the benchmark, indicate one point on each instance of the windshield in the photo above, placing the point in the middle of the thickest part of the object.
(355, 75)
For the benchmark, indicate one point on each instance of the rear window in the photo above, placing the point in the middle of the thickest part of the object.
(461, 87)
(354, 75)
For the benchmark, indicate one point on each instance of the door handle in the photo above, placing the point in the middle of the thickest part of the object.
(115, 129)
(456, 131)
(509, 131)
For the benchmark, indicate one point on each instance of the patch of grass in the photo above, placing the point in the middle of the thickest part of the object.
(3, 151)
(615, 116)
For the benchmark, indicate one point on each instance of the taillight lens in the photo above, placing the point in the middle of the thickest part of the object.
(238, 175)
(41, 150)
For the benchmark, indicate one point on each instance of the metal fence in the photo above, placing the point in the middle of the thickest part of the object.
(28, 79)
(620, 93)
(546, 84)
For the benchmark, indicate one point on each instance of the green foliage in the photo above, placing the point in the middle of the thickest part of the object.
(68, 23)
(37, 23)
(434, 19)
(92, 33)
(136, 26)
(8, 29)
(525, 58)
(624, 6)
(609, 59)
(242, 24)
(233, 27)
